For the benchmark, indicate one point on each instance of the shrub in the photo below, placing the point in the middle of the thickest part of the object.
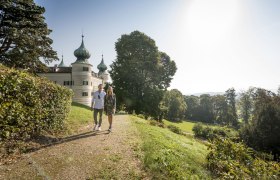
(174, 129)
(30, 104)
(231, 160)
(208, 132)
(156, 123)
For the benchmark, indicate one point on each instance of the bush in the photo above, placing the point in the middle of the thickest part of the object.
(208, 132)
(175, 129)
(30, 104)
(231, 160)
(156, 123)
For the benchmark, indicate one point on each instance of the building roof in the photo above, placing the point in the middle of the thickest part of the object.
(102, 67)
(82, 53)
(59, 70)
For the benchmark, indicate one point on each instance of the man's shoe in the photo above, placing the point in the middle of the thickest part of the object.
(99, 128)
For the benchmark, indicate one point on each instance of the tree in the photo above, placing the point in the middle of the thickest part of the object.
(24, 35)
(220, 109)
(141, 73)
(246, 106)
(263, 131)
(206, 109)
(193, 105)
(232, 115)
(175, 103)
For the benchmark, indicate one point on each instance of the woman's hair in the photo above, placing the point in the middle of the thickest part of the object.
(110, 87)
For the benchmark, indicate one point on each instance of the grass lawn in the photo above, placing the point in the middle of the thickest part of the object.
(185, 126)
(78, 116)
(167, 155)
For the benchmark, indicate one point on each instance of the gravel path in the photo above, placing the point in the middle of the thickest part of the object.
(86, 155)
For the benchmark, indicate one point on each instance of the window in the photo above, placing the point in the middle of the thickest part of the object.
(85, 94)
(85, 68)
(67, 83)
(85, 82)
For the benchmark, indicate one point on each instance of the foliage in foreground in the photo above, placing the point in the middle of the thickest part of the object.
(171, 156)
(30, 104)
(230, 160)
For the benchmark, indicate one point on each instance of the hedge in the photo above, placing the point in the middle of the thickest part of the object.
(30, 104)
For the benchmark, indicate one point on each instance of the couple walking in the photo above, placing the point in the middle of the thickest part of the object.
(103, 101)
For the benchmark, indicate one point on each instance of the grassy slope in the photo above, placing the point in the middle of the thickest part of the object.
(171, 156)
(185, 126)
(79, 116)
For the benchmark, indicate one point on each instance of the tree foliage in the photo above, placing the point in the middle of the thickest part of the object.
(245, 103)
(231, 103)
(24, 35)
(263, 131)
(175, 105)
(141, 73)
(206, 109)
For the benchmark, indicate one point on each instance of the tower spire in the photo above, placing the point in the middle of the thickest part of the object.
(62, 63)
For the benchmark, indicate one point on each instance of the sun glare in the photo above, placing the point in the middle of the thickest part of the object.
(209, 22)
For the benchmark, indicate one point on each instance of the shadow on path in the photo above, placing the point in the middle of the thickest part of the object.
(46, 141)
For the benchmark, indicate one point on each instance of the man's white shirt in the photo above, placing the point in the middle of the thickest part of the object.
(98, 99)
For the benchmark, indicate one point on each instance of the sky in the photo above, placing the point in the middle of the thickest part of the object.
(216, 44)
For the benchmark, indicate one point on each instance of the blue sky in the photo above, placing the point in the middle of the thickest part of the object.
(216, 44)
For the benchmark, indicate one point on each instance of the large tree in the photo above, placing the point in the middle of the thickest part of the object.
(24, 35)
(141, 73)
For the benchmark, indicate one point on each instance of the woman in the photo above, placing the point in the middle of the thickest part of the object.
(110, 106)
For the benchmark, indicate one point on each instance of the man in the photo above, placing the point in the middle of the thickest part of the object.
(97, 106)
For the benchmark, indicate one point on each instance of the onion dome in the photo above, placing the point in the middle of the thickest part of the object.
(102, 67)
(82, 53)
(62, 63)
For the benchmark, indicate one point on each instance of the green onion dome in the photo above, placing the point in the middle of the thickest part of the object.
(62, 63)
(102, 67)
(82, 53)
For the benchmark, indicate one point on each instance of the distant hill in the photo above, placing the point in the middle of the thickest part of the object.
(210, 93)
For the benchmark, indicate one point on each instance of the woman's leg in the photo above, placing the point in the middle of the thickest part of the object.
(110, 118)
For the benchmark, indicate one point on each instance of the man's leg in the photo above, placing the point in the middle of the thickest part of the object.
(95, 111)
(100, 116)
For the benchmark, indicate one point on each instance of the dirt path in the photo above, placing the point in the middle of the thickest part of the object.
(87, 155)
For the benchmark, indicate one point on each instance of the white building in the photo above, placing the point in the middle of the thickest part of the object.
(79, 76)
